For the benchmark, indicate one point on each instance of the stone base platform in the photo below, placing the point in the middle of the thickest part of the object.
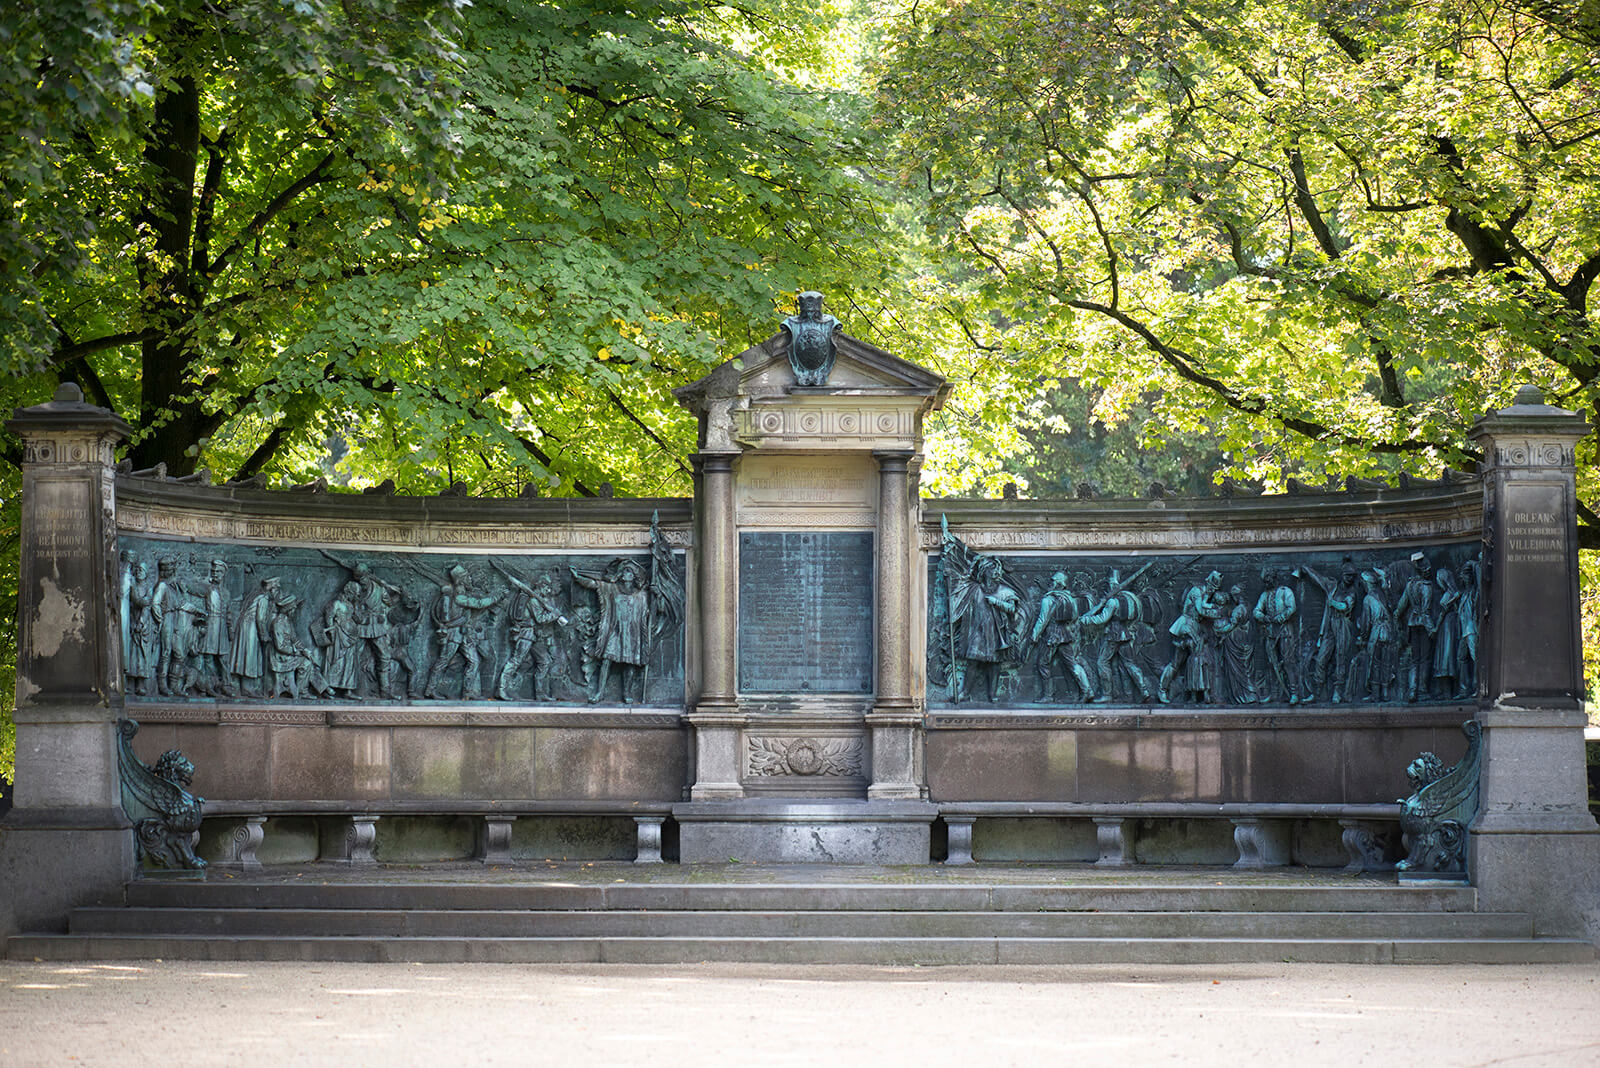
(767, 831)
(801, 913)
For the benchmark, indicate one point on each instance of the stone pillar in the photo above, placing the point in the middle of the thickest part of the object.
(1534, 847)
(1262, 843)
(66, 841)
(239, 851)
(351, 840)
(715, 718)
(1111, 835)
(648, 836)
(893, 721)
(959, 847)
(494, 838)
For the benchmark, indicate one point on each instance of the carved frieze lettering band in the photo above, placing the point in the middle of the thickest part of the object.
(139, 518)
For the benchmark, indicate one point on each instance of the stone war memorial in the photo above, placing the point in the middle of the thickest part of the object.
(808, 667)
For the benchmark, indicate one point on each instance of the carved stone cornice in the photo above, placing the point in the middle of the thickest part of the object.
(145, 516)
(1319, 521)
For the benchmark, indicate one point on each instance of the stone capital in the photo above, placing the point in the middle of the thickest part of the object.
(1529, 434)
(67, 410)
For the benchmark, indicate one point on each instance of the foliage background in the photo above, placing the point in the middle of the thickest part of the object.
(1146, 240)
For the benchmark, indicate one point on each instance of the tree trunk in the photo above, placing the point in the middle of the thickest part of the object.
(168, 285)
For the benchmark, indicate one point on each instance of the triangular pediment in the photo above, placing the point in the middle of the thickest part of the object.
(763, 371)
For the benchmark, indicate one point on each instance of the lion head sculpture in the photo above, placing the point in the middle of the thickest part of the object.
(1424, 770)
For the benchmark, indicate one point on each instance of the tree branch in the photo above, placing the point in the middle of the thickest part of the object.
(1307, 203)
(1186, 366)
(263, 453)
(205, 209)
(79, 349)
(668, 449)
(313, 177)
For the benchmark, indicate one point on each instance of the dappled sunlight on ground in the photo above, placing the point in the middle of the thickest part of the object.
(363, 1014)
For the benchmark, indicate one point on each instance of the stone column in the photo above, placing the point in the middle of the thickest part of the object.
(715, 718)
(1534, 847)
(893, 721)
(66, 842)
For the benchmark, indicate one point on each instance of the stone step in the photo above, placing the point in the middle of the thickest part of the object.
(879, 951)
(464, 923)
(744, 896)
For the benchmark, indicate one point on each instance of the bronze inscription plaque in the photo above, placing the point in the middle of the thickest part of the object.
(805, 612)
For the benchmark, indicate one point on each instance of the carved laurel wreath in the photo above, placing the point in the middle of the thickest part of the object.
(805, 756)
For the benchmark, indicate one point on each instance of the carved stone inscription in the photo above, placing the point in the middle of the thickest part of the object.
(276, 623)
(1372, 626)
(56, 584)
(805, 612)
(63, 513)
(1537, 607)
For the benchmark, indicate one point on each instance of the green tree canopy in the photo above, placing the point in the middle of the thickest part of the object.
(414, 239)
(1327, 233)
(471, 244)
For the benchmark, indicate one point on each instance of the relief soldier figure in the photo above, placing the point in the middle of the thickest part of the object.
(982, 605)
(635, 608)
(1415, 613)
(1277, 611)
(1447, 638)
(1332, 659)
(404, 615)
(1059, 639)
(1188, 666)
(457, 624)
(1119, 614)
(1194, 641)
(172, 613)
(623, 633)
(1467, 613)
(811, 344)
(535, 615)
(1375, 631)
(374, 600)
(215, 648)
(290, 661)
(125, 606)
(341, 662)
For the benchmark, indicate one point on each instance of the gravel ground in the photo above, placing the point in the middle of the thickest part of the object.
(360, 1014)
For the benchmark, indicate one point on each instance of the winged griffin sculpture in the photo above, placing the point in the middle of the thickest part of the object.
(165, 814)
(1434, 819)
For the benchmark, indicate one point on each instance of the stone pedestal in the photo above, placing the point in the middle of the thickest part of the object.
(66, 840)
(805, 832)
(1534, 846)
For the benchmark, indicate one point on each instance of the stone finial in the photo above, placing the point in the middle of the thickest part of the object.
(68, 393)
(1529, 394)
